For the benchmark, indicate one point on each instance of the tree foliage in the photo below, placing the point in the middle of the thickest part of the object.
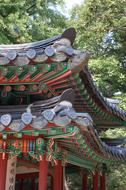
(101, 29)
(101, 26)
(29, 20)
(109, 75)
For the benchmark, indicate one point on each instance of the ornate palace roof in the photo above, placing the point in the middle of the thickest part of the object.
(50, 104)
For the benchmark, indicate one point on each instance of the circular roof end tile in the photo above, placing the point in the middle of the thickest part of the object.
(31, 53)
(49, 51)
(26, 118)
(12, 54)
(6, 119)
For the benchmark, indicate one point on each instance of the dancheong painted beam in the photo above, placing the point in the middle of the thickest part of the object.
(52, 112)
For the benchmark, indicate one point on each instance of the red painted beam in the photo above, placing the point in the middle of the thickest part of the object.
(95, 180)
(3, 169)
(102, 182)
(43, 174)
(65, 75)
(58, 176)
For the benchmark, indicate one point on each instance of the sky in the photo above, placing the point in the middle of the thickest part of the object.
(70, 3)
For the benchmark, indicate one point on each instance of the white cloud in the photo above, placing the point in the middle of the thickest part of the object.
(71, 3)
(68, 5)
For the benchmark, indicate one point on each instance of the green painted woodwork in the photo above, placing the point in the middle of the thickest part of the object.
(92, 104)
(64, 143)
(40, 146)
(80, 138)
(80, 162)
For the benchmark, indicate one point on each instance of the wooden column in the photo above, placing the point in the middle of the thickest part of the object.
(102, 181)
(85, 181)
(58, 176)
(43, 174)
(3, 169)
(95, 180)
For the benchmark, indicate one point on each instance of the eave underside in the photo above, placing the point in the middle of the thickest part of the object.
(41, 76)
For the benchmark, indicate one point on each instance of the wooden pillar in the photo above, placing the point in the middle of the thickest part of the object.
(43, 174)
(85, 181)
(95, 180)
(58, 176)
(3, 169)
(102, 181)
